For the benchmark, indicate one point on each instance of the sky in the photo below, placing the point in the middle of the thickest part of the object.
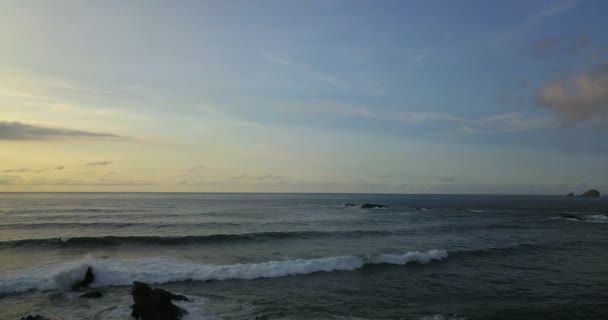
(304, 96)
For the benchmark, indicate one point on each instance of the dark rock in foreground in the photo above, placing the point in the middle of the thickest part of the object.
(373, 206)
(591, 194)
(92, 294)
(36, 317)
(155, 304)
(86, 281)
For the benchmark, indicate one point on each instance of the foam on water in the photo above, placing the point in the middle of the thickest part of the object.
(110, 272)
(589, 218)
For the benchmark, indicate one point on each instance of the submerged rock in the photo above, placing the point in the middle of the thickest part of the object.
(36, 317)
(155, 304)
(591, 194)
(86, 281)
(347, 205)
(92, 294)
(373, 206)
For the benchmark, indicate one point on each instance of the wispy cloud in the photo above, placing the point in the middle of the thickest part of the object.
(504, 122)
(99, 163)
(316, 73)
(196, 169)
(553, 9)
(48, 169)
(579, 97)
(553, 46)
(19, 170)
(21, 131)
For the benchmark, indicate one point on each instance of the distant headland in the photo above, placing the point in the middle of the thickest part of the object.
(592, 193)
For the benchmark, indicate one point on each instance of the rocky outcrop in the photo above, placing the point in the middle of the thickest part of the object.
(570, 195)
(591, 194)
(92, 294)
(36, 317)
(348, 205)
(86, 281)
(155, 304)
(373, 206)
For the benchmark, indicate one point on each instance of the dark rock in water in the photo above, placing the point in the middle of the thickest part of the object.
(86, 281)
(36, 317)
(591, 194)
(346, 205)
(373, 206)
(171, 296)
(155, 304)
(92, 294)
(422, 208)
(570, 194)
(569, 216)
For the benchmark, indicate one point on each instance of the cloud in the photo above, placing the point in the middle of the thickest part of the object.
(47, 169)
(196, 169)
(121, 182)
(20, 131)
(99, 163)
(17, 170)
(580, 97)
(557, 45)
(6, 179)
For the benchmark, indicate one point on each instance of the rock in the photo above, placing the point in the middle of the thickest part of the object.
(373, 206)
(36, 317)
(347, 205)
(171, 296)
(422, 208)
(155, 304)
(569, 216)
(86, 281)
(591, 194)
(570, 194)
(92, 294)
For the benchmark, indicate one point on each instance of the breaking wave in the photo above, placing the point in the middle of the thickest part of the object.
(589, 218)
(110, 272)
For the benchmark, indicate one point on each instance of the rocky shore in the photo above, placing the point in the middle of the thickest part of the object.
(148, 303)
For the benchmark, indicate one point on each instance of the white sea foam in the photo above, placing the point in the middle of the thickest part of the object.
(162, 270)
(589, 218)
(601, 218)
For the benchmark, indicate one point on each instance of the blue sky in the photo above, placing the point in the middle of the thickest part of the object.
(304, 96)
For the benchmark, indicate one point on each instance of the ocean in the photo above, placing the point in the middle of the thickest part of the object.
(307, 256)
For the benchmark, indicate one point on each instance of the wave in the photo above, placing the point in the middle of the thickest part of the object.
(112, 272)
(118, 240)
(111, 225)
(589, 218)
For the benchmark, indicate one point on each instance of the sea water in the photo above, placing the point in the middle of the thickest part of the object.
(307, 256)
